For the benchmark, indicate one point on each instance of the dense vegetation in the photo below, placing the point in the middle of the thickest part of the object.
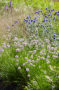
(29, 45)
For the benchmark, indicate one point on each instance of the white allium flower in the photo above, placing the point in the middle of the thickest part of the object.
(27, 69)
(17, 60)
(52, 48)
(34, 51)
(15, 39)
(28, 75)
(17, 50)
(26, 57)
(24, 64)
(8, 45)
(41, 52)
(19, 67)
(39, 56)
(42, 58)
(49, 46)
(16, 56)
(55, 56)
(33, 61)
(39, 66)
(1, 50)
(48, 62)
(29, 60)
(48, 56)
(31, 64)
(24, 43)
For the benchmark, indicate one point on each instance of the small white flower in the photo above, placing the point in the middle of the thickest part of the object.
(19, 67)
(16, 56)
(28, 75)
(8, 45)
(39, 66)
(52, 48)
(48, 78)
(55, 56)
(17, 50)
(33, 61)
(34, 51)
(26, 57)
(27, 69)
(28, 60)
(24, 64)
(1, 50)
(31, 64)
(42, 58)
(15, 39)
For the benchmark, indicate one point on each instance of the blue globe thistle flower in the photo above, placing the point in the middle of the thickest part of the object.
(37, 12)
(28, 17)
(54, 35)
(25, 20)
(46, 8)
(52, 10)
(46, 19)
(58, 14)
(46, 16)
(49, 11)
(54, 38)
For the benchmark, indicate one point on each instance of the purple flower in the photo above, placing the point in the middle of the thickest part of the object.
(10, 3)
(16, 22)
(28, 17)
(46, 16)
(54, 18)
(46, 8)
(25, 20)
(54, 38)
(37, 12)
(49, 11)
(52, 10)
(58, 14)
(6, 7)
(54, 35)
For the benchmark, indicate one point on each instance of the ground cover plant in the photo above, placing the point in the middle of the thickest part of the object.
(29, 49)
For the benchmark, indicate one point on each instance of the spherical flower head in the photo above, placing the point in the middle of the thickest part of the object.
(19, 67)
(54, 35)
(8, 46)
(46, 8)
(6, 7)
(1, 50)
(27, 69)
(15, 39)
(28, 75)
(16, 56)
(28, 17)
(54, 38)
(17, 50)
(58, 14)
